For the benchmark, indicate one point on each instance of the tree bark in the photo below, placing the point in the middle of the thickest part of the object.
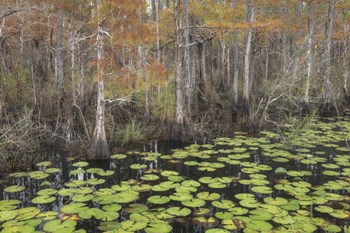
(327, 58)
(59, 57)
(99, 146)
(179, 85)
(309, 53)
(247, 57)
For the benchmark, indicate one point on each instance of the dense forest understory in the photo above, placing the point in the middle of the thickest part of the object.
(95, 75)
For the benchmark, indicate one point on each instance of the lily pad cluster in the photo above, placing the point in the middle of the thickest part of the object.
(271, 183)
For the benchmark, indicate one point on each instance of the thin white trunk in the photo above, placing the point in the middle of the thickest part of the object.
(309, 53)
(247, 57)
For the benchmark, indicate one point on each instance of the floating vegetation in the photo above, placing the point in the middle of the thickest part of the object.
(235, 184)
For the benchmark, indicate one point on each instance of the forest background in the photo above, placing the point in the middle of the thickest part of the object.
(91, 75)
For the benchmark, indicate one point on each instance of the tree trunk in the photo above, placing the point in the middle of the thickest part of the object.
(309, 53)
(247, 57)
(59, 56)
(327, 58)
(99, 146)
(179, 55)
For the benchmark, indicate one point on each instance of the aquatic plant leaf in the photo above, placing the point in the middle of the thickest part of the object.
(250, 203)
(18, 174)
(332, 228)
(284, 220)
(242, 196)
(66, 192)
(141, 187)
(105, 173)
(238, 211)
(217, 185)
(47, 192)
(14, 189)
(73, 208)
(276, 201)
(224, 215)
(75, 183)
(178, 211)
(27, 213)
(190, 183)
(119, 156)
(181, 196)
(43, 199)
(206, 222)
(280, 170)
(89, 213)
(258, 225)
(202, 211)
(52, 170)
(49, 215)
(125, 197)
(159, 227)
(324, 209)
(107, 216)
(121, 187)
(129, 225)
(223, 204)
(217, 230)
(149, 177)
(112, 208)
(194, 203)
(138, 166)
(59, 226)
(341, 214)
(185, 189)
(9, 204)
(95, 181)
(7, 215)
(208, 196)
(81, 164)
(109, 226)
(83, 197)
(44, 164)
(260, 214)
(160, 200)
(38, 175)
(262, 189)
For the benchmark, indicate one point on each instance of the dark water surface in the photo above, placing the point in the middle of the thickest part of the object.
(300, 153)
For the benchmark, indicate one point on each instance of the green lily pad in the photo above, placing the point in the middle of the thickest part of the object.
(223, 204)
(58, 226)
(121, 188)
(138, 166)
(118, 156)
(276, 201)
(7, 215)
(238, 211)
(49, 215)
(258, 225)
(27, 213)
(52, 170)
(89, 213)
(73, 208)
(217, 230)
(208, 196)
(194, 203)
(112, 208)
(149, 177)
(44, 164)
(9, 204)
(178, 212)
(43, 199)
(125, 197)
(109, 226)
(224, 215)
(95, 181)
(47, 192)
(160, 200)
(83, 197)
(181, 196)
(129, 225)
(38, 175)
(81, 164)
(105, 173)
(14, 189)
(160, 227)
(262, 189)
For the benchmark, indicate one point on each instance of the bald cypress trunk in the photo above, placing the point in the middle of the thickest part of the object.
(99, 146)
(327, 59)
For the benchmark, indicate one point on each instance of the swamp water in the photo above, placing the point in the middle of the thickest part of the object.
(244, 184)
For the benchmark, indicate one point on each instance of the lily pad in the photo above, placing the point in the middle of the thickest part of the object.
(160, 200)
(43, 199)
(14, 189)
(160, 227)
(194, 203)
(59, 226)
(178, 212)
